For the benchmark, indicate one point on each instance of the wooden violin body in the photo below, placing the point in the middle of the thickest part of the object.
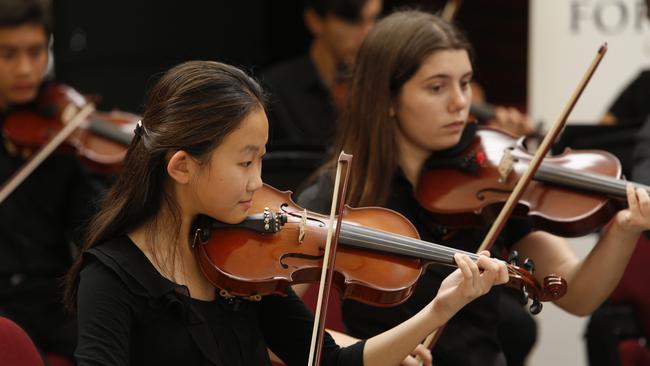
(570, 195)
(101, 141)
(274, 261)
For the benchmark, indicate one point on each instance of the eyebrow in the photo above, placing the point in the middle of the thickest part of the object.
(12, 47)
(446, 76)
(250, 148)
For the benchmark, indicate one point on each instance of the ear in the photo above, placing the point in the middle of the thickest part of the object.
(313, 22)
(181, 167)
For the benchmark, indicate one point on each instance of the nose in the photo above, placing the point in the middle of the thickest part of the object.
(255, 182)
(460, 98)
(24, 64)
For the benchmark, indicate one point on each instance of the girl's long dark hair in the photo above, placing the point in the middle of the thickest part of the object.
(192, 108)
(389, 56)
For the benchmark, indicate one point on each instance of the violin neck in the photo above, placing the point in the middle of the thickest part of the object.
(382, 241)
(110, 131)
(596, 183)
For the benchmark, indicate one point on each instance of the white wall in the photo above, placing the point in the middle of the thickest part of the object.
(559, 334)
(565, 36)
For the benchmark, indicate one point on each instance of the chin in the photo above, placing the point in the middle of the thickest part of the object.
(22, 98)
(235, 217)
(447, 143)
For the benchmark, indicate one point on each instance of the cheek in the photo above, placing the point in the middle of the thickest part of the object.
(5, 73)
(420, 117)
(41, 63)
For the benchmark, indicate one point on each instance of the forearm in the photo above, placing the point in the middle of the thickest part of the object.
(392, 346)
(591, 281)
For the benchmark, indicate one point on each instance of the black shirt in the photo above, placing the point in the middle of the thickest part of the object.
(632, 106)
(129, 314)
(470, 337)
(39, 224)
(40, 217)
(641, 171)
(301, 111)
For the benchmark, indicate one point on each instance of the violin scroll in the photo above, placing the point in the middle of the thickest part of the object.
(553, 287)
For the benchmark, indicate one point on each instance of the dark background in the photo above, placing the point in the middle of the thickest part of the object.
(116, 48)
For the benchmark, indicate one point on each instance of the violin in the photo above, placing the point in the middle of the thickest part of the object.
(378, 262)
(101, 141)
(572, 194)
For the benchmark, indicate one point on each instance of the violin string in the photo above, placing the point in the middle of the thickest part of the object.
(370, 238)
(416, 248)
(408, 245)
(565, 176)
(590, 181)
(423, 252)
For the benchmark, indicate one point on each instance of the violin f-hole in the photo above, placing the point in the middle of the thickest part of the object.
(298, 255)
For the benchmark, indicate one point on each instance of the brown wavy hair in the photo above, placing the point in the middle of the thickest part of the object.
(389, 56)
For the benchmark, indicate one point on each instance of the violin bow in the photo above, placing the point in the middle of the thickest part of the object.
(71, 123)
(329, 256)
(449, 11)
(541, 152)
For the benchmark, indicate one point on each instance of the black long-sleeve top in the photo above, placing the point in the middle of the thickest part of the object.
(129, 314)
(40, 217)
(470, 337)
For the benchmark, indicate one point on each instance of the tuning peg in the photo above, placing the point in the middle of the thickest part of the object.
(535, 307)
(513, 258)
(529, 265)
(524, 296)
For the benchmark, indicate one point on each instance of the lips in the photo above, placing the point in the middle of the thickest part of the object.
(455, 125)
(23, 87)
(247, 204)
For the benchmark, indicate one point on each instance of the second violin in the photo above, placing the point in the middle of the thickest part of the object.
(101, 141)
(572, 194)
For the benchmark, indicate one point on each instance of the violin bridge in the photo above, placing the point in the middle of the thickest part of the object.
(303, 225)
(505, 166)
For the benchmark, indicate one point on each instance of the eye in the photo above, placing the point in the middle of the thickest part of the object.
(246, 164)
(7, 54)
(36, 52)
(465, 84)
(437, 88)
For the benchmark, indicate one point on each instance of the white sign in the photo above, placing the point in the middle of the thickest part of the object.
(565, 35)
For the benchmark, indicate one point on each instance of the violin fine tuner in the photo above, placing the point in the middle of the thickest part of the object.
(266, 222)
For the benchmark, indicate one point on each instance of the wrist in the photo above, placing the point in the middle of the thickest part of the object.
(622, 228)
(442, 311)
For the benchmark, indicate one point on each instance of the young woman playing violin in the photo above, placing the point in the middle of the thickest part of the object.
(39, 220)
(408, 104)
(140, 296)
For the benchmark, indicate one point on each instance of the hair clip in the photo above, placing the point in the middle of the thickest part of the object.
(139, 129)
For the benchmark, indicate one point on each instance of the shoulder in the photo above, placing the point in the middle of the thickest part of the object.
(640, 83)
(645, 76)
(123, 261)
(289, 72)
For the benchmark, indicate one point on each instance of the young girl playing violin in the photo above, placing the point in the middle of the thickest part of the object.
(140, 296)
(408, 105)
